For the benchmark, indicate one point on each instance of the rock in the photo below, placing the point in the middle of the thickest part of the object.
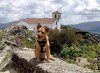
(19, 30)
(13, 37)
(59, 66)
(25, 60)
(5, 59)
(9, 71)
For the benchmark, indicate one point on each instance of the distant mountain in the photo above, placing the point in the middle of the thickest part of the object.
(5, 25)
(1, 25)
(93, 26)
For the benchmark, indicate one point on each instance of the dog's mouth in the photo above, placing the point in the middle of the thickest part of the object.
(40, 36)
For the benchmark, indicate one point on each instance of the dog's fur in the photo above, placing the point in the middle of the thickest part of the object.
(42, 33)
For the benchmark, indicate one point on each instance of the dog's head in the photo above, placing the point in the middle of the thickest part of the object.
(42, 31)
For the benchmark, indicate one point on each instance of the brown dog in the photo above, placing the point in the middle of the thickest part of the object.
(42, 46)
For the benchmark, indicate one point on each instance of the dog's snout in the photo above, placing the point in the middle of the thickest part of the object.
(39, 35)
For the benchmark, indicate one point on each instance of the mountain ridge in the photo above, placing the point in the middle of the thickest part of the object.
(92, 26)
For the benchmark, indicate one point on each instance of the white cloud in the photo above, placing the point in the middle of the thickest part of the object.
(74, 19)
(81, 7)
(92, 4)
(73, 11)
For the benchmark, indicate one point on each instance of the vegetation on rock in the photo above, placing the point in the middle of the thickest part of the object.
(74, 45)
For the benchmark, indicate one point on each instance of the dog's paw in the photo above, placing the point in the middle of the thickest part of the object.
(48, 61)
(52, 59)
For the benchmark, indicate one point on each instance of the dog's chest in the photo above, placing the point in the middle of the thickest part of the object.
(42, 45)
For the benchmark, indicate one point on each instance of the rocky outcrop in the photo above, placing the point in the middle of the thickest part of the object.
(13, 37)
(23, 62)
(15, 60)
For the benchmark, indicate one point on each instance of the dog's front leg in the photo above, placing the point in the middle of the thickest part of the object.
(48, 53)
(37, 53)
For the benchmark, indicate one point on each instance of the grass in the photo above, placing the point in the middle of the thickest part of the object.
(27, 43)
(1, 35)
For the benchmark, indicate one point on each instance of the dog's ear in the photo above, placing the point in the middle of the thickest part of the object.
(39, 26)
(47, 29)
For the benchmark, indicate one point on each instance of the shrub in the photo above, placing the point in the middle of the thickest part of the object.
(70, 52)
(64, 52)
(87, 51)
(91, 66)
(58, 38)
(66, 36)
(71, 61)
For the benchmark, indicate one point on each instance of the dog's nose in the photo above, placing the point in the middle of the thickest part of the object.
(39, 35)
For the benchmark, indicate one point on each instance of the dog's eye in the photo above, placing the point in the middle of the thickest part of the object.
(42, 32)
(38, 31)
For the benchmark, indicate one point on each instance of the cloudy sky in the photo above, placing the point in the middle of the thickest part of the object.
(73, 11)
